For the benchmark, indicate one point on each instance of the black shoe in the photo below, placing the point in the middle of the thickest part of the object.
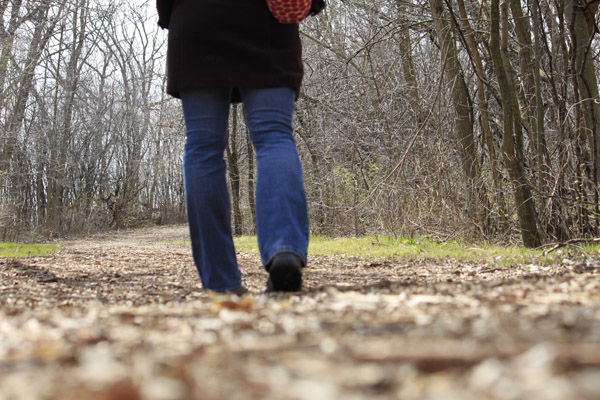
(285, 273)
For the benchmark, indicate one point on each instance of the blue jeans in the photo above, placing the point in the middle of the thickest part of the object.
(281, 210)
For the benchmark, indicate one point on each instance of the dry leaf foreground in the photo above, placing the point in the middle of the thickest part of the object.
(123, 317)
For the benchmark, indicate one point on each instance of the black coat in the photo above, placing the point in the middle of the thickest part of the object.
(228, 44)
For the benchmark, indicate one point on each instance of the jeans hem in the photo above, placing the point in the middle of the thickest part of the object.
(286, 249)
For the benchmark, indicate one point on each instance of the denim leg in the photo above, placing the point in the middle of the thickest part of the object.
(281, 209)
(207, 198)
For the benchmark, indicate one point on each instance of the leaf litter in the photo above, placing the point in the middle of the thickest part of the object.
(123, 316)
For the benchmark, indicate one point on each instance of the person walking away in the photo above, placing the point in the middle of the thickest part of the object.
(230, 51)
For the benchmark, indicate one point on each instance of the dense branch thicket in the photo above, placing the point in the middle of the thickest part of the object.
(444, 118)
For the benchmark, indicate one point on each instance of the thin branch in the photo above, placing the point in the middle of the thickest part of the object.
(569, 243)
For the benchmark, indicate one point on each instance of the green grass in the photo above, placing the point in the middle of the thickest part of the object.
(373, 248)
(16, 250)
(379, 248)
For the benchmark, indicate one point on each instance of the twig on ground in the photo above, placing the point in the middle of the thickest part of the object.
(570, 242)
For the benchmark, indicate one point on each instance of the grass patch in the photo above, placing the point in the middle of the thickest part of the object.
(373, 248)
(16, 250)
(379, 248)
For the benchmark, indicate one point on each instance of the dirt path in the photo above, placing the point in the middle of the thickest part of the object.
(124, 317)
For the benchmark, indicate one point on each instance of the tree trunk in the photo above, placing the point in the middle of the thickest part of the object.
(510, 151)
(40, 38)
(7, 38)
(408, 68)
(464, 119)
(556, 51)
(233, 169)
(251, 181)
(72, 81)
(530, 78)
(485, 120)
(582, 26)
